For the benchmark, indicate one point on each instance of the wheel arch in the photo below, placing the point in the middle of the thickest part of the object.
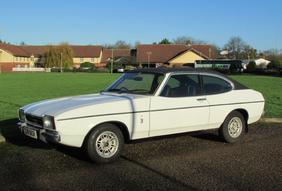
(245, 114)
(118, 124)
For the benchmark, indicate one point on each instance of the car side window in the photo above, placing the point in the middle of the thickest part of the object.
(215, 85)
(183, 85)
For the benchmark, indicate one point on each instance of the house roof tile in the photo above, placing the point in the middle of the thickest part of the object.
(34, 50)
(86, 51)
(27, 50)
(13, 49)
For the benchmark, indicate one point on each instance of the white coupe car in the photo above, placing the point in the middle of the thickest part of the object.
(144, 103)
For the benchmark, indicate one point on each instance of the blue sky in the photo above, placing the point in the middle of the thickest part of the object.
(258, 22)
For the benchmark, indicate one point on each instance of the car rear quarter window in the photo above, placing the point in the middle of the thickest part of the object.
(215, 85)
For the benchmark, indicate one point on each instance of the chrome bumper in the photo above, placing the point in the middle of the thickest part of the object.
(44, 135)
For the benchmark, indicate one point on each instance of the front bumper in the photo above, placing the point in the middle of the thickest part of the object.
(42, 134)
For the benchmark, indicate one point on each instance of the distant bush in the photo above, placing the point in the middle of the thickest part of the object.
(275, 64)
(102, 70)
(266, 72)
(56, 69)
(87, 65)
(251, 66)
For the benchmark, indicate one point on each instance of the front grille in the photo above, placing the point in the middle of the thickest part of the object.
(34, 120)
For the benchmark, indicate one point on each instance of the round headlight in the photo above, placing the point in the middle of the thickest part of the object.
(48, 122)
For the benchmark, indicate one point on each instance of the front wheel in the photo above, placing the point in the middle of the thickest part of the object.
(233, 127)
(105, 143)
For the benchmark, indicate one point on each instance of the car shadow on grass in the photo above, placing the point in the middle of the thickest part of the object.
(13, 135)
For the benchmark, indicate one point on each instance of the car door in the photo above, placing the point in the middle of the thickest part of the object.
(179, 107)
(220, 97)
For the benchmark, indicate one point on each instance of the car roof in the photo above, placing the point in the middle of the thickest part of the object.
(165, 70)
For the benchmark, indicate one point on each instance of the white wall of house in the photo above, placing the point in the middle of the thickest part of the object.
(186, 57)
(262, 63)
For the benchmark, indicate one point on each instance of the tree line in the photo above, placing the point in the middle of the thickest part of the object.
(234, 48)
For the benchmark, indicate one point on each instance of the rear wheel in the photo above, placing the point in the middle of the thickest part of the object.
(105, 143)
(233, 127)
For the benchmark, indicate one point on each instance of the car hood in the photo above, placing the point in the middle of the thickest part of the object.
(55, 107)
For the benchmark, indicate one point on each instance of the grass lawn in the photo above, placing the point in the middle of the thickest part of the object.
(20, 89)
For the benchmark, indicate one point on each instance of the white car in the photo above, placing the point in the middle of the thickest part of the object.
(120, 70)
(144, 103)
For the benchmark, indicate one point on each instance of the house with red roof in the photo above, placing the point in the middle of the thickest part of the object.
(173, 54)
(12, 56)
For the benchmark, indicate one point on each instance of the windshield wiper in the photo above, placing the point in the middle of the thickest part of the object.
(123, 90)
(116, 90)
(142, 91)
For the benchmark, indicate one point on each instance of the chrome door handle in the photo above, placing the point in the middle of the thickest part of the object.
(201, 99)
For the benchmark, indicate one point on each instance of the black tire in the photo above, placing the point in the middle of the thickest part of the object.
(229, 134)
(104, 132)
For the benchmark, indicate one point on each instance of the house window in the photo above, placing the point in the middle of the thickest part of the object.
(16, 58)
(81, 59)
(92, 59)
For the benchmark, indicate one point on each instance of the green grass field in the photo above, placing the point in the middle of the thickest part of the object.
(270, 87)
(20, 89)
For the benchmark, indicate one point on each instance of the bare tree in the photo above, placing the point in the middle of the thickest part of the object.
(272, 54)
(108, 46)
(239, 49)
(120, 44)
(187, 40)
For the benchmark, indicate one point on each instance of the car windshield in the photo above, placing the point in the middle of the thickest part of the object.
(137, 83)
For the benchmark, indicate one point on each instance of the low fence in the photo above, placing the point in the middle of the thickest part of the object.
(31, 69)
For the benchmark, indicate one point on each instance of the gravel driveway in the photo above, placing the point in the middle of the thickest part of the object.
(198, 161)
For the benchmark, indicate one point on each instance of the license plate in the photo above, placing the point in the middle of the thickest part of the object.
(30, 132)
